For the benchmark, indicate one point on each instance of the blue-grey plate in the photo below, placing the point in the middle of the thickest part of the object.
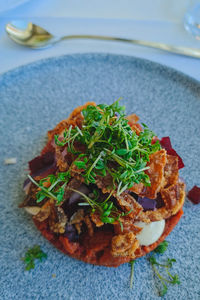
(33, 98)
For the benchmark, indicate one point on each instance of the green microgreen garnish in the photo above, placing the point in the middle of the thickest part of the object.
(162, 247)
(132, 262)
(31, 255)
(171, 279)
(56, 188)
(108, 211)
(111, 146)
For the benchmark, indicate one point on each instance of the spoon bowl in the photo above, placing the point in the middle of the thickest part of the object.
(34, 36)
(29, 34)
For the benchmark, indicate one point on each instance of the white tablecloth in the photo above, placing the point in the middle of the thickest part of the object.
(158, 20)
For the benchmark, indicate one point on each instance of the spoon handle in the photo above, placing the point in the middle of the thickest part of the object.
(193, 52)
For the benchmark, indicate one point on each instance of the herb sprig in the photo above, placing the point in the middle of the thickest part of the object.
(167, 265)
(132, 262)
(31, 255)
(109, 213)
(111, 146)
(56, 187)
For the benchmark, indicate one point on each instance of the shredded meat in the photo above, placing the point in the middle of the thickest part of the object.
(124, 245)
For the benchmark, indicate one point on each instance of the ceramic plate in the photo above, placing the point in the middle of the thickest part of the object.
(33, 99)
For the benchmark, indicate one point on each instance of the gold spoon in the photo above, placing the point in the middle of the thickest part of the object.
(34, 36)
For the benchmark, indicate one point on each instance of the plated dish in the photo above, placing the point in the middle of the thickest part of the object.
(42, 94)
(104, 189)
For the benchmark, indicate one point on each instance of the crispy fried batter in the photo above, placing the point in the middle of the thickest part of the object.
(165, 213)
(156, 174)
(171, 170)
(60, 159)
(95, 217)
(105, 183)
(74, 184)
(75, 119)
(132, 119)
(133, 123)
(128, 226)
(137, 188)
(89, 225)
(127, 202)
(170, 195)
(57, 220)
(124, 245)
(44, 212)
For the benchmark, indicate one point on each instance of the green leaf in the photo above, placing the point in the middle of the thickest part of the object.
(108, 220)
(80, 164)
(31, 255)
(40, 196)
(162, 247)
(163, 292)
(122, 152)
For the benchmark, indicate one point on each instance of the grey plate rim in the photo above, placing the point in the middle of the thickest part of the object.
(157, 65)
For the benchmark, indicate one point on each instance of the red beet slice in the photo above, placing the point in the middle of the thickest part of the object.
(194, 195)
(166, 144)
(44, 164)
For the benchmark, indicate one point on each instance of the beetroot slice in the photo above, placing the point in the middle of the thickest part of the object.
(194, 195)
(166, 144)
(43, 164)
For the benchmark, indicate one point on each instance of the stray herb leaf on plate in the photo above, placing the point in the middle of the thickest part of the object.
(31, 255)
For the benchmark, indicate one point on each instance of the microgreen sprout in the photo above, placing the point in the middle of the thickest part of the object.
(132, 262)
(56, 187)
(168, 264)
(31, 255)
(111, 147)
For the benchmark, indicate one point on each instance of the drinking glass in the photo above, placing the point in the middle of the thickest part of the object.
(192, 19)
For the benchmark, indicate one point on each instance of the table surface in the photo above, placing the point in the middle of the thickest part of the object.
(160, 21)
